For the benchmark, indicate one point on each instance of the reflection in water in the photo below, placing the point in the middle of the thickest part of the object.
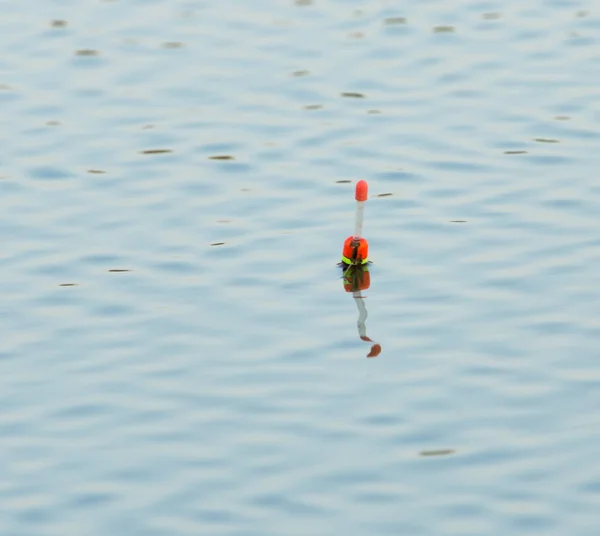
(356, 279)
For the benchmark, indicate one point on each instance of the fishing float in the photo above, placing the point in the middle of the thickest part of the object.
(356, 247)
(355, 264)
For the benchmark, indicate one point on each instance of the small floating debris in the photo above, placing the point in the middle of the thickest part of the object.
(221, 157)
(562, 118)
(156, 151)
(119, 270)
(545, 140)
(374, 112)
(395, 20)
(353, 95)
(87, 52)
(515, 152)
(384, 195)
(458, 221)
(303, 2)
(218, 244)
(344, 181)
(58, 23)
(68, 285)
(301, 73)
(441, 452)
(52, 123)
(443, 29)
(96, 171)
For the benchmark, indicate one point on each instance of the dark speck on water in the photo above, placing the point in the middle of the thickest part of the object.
(353, 95)
(221, 157)
(87, 52)
(395, 20)
(156, 151)
(441, 452)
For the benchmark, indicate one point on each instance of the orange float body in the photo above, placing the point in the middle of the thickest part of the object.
(355, 252)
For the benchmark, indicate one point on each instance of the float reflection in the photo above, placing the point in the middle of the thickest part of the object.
(357, 278)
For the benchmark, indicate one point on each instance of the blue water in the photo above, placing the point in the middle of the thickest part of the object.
(178, 353)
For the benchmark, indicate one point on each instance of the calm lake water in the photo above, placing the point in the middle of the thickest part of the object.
(178, 355)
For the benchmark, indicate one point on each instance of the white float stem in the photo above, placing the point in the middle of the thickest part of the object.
(358, 223)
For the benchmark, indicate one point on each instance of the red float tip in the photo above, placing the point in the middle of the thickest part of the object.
(362, 191)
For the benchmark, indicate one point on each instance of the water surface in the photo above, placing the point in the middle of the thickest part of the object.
(179, 355)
